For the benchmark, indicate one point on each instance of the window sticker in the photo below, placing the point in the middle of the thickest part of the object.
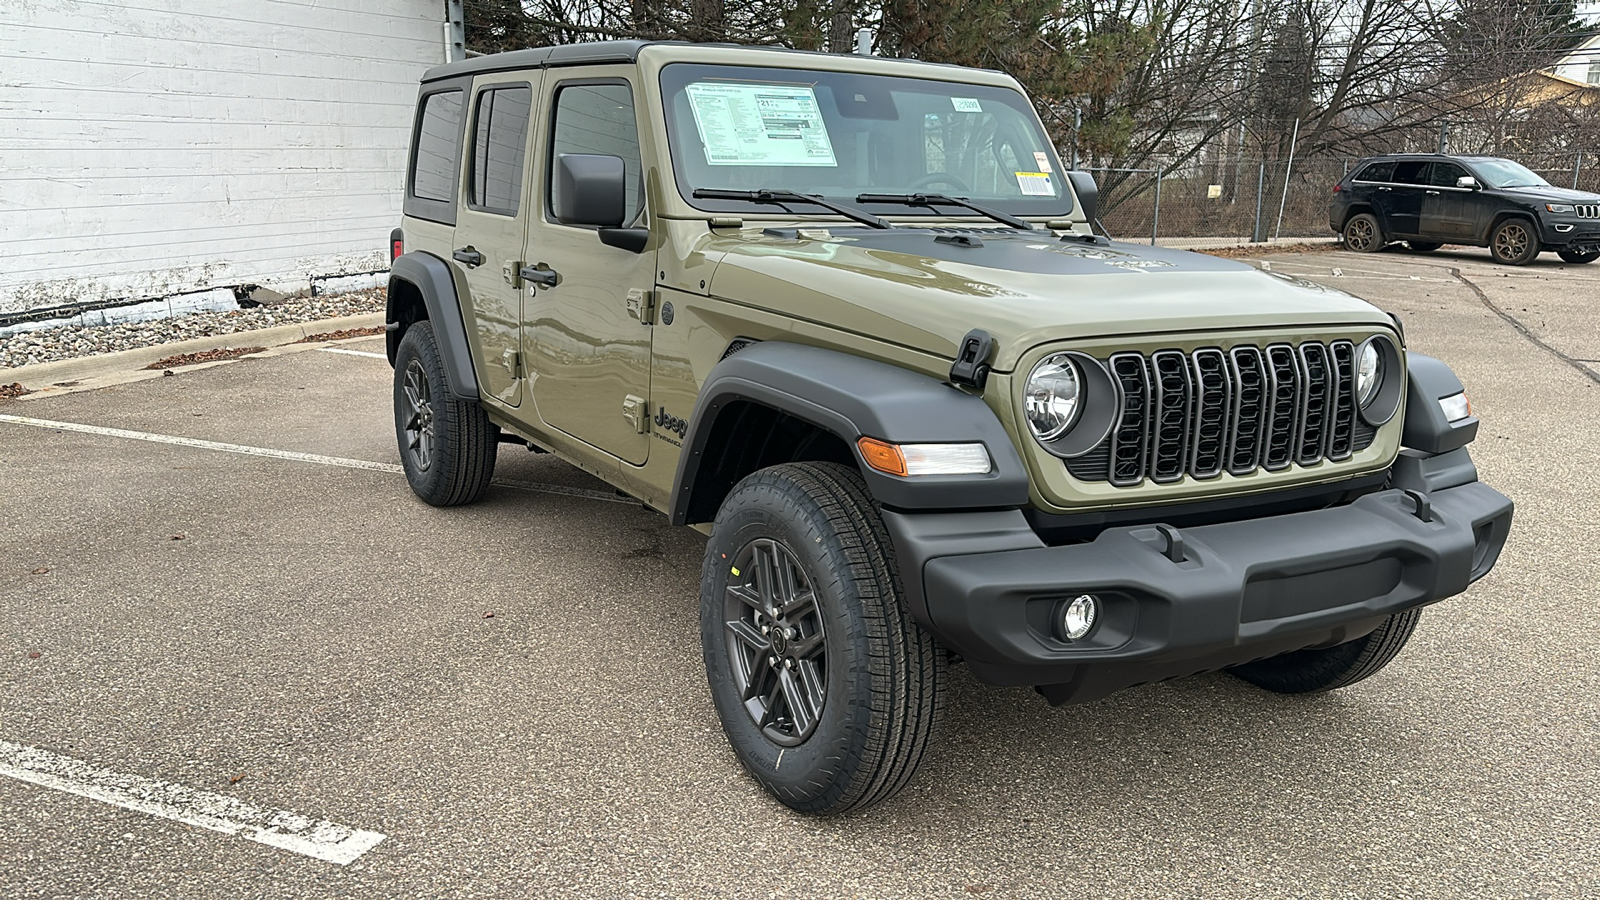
(966, 104)
(1042, 160)
(760, 124)
(1036, 184)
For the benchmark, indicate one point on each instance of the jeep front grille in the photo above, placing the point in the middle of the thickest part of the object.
(1211, 411)
(1587, 210)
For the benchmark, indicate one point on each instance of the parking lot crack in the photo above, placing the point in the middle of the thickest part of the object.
(1522, 329)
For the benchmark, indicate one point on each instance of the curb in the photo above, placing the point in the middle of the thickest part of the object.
(86, 372)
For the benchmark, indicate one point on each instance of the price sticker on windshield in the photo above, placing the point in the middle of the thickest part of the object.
(1035, 184)
(966, 104)
(760, 125)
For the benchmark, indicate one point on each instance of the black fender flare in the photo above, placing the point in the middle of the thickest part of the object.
(1425, 428)
(852, 397)
(431, 277)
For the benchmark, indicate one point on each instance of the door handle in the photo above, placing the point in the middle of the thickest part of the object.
(469, 256)
(1385, 189)
(1433, 193)
(546, 276)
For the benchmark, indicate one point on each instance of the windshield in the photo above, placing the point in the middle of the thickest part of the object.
(840, 135)
(1503, 173)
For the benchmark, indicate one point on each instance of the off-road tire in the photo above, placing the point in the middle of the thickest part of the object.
(1574, 256)
(882, 672)
(1363, 234)
(1422, 246)
(1330, 668)
(1514, 242)
(447, 446)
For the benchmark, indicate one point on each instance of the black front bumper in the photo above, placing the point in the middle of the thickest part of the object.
(1238, 591)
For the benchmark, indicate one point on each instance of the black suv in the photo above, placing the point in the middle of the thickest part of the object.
(1428, 200)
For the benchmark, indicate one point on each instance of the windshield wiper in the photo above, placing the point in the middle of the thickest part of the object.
(931, 200)
(780, 197)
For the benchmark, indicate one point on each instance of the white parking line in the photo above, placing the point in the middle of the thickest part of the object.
(340, 461)
(366, 353)
(316, 838)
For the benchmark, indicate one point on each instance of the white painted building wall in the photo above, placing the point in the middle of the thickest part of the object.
(1581, 63)
(150, 147)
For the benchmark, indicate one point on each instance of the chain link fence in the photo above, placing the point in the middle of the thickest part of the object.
(1257, 199)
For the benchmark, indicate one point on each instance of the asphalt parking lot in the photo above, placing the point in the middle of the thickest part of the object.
(511, 694)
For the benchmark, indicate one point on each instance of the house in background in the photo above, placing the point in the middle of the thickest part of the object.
(1580, 64)
(147, 151)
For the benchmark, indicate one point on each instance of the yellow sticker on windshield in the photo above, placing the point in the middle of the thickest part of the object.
(1035, 184)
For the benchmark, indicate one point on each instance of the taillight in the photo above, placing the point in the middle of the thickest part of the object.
(397, 244)
(1337, 188)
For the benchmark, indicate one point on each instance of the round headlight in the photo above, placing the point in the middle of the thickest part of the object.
(1369, 373)
(1051, 402)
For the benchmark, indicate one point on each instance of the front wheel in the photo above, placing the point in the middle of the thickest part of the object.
(447, 446)
(826, 688)
(1578, 256)
(1362, 234)
(1329, 668)
(1514, 243)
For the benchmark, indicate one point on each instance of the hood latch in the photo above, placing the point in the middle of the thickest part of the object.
(971, 368)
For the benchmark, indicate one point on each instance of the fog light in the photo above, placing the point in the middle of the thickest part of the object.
(1077, 618)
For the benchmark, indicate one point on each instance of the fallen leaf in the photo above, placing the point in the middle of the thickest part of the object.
(40, 571)
(236, 779)
(177, 537)
(168, 373)
(488, 615)
(34, 654)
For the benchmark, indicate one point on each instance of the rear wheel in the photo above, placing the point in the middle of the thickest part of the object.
(1328, 668)
(1422, 246)
(447, 446)
(1514, 243)
(1577, 256)
(1362, 234)
(826, 688)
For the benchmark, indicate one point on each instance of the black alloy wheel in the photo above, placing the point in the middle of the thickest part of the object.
(826, 687)
(1514, 242)
(1362, 234)
(775, 637)
(418, 415)
(447, 445)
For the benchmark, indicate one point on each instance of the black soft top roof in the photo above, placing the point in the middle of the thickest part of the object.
(592, 53)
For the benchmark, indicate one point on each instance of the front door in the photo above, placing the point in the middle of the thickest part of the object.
(490, 230)
(1449, 213)
(1400, 201)
(591, 355)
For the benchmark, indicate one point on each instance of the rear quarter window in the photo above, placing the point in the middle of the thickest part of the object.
(435, 161)
(1378, 171)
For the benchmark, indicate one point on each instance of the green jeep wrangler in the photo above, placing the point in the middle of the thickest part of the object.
(848, 318)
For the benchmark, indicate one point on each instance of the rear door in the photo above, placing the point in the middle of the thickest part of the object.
(591, 355)
(1400, 201)
(491, 225)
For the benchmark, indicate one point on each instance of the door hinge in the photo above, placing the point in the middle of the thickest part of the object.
(512, 360)
(512, 273)
(641, 304)
(637, 411)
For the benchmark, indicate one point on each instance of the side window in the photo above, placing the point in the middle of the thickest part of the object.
(436, 160)
(1444, 174)
(1410, 171)
(499, 141)
(1379, 171)
(598, 118)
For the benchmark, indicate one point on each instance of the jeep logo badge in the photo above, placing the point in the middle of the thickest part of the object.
(667, 422)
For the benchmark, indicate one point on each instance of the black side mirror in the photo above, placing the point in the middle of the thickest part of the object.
(590, 189)
(1088, 192)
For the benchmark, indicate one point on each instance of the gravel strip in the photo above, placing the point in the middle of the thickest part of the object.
(73, 341)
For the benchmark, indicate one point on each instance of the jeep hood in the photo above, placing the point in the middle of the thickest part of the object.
(925, 290)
